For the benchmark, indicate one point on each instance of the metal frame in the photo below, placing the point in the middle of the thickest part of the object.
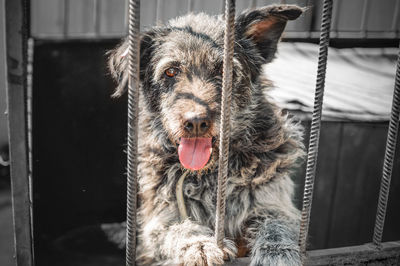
(16, 45)
(366, 254)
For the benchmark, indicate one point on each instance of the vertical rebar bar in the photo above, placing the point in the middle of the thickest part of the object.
(395, 18)
(190, 5)
(96, 17)
(159, 12)
(133, 112)
(315, 123)
(224, 132)
(389, 158)
(29, 121)
(336, 7)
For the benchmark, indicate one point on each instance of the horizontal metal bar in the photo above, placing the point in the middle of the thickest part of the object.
(355, 255)
(385, 35)
(366, 254)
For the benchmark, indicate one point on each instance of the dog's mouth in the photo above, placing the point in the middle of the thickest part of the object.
(195, 153)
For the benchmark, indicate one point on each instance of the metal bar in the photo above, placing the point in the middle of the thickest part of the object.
(190, 5)
(133, 114)
(395, 17)
(389, 158)
(315, 124)
(364, 18)
(29, 92)
(356, 255)
(224, 132)
(159, 11)
(335, 19)
(96, 16)
(309, 19)
(66, 19)
(17, 31)
(353, 255)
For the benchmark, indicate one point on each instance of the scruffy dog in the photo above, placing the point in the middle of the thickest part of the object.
(181, 74)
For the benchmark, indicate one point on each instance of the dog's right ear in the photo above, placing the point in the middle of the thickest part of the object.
(118, 61)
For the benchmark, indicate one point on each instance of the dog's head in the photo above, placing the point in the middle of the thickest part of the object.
(181, 73)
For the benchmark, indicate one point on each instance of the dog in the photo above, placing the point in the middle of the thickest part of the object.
(181, 79)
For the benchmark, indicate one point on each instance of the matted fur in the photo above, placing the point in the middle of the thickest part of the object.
(265, 144)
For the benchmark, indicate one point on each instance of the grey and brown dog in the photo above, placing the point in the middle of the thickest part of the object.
(181, 74)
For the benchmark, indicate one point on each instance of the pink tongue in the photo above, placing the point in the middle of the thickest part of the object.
(194, 153)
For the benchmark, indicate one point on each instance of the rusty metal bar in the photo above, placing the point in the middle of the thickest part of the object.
(29, 114)
(388, 161)
(366, 254)
(133, 114)
(356, 255)
(312, 155)
(224, 132)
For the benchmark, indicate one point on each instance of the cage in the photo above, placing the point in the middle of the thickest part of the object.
(69, 162)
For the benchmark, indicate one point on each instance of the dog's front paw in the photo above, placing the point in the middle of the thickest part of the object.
(276, 255)
(202, 251)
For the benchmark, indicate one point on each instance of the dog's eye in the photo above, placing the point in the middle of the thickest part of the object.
(172, 72)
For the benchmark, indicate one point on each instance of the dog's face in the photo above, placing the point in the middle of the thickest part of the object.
(181, 74)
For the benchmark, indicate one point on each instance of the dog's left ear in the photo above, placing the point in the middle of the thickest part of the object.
(264, 26)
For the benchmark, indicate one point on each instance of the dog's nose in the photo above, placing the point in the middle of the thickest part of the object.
(197, 126)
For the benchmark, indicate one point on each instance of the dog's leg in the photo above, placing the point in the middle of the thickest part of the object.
(272, 231)
(275, 244)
